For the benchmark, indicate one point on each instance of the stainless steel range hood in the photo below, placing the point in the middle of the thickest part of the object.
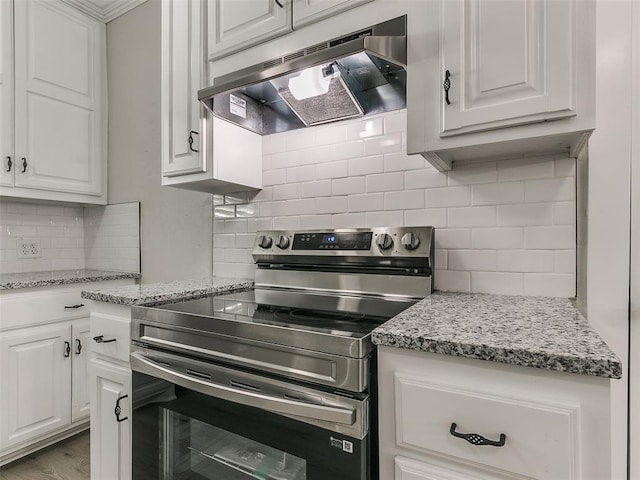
(361, 73)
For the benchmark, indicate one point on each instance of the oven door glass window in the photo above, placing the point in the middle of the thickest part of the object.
(183, 434)
(192, 449)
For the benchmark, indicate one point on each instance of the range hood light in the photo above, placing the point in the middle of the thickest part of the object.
(312, 82)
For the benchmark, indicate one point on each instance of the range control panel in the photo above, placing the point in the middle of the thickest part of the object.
(332, 241)
(372, 242)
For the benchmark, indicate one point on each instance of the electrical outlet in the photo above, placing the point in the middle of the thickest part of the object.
(28, 248)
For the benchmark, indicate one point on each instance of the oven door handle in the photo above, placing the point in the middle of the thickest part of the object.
(286, 406)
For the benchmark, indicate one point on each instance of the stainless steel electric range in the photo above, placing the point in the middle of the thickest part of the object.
(279, 382)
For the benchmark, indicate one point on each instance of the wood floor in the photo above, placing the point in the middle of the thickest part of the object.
(67, 460)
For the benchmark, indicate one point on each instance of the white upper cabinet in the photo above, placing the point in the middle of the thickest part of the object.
(58, 140)
(509, 62)
(6, 94)
(220, 157)
(182, 65)
(309, 11)
(502, 79)
(235, 26)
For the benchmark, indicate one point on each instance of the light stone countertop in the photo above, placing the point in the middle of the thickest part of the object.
(167, 292)
(538, 332)
(13, 281)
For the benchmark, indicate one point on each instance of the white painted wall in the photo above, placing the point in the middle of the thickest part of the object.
(175, 225)
(609, 204)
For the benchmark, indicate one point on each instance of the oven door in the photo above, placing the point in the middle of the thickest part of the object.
(197, 420)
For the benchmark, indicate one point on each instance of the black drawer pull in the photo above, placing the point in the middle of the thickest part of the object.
(447, 85)
(118, 410)
(190, 140)
(67, 349)
(9, 164)
(78, 346)
(100, 339)
(24, 165)
(73, 307)
(475, 439)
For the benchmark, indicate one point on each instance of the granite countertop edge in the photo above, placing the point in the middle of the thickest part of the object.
(162, 293)
(17, 281)
(562, 340)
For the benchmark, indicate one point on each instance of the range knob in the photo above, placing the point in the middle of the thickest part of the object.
(410, 241)
(384, 241)
(283, 242)
(265, 241)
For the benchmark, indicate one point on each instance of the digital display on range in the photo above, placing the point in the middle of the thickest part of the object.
(332, 241)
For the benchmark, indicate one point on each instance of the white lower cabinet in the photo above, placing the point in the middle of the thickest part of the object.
(445, 418)
(111, 392)
(44, 381)
(110, 431)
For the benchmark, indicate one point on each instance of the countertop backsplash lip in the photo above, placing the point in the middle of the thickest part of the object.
(161, 293)
(540, 332)
(16, 281)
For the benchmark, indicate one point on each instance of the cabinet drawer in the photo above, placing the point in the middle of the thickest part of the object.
(25, 309)
(115, 333)
(541, 437)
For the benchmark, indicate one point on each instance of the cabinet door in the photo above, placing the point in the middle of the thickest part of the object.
(408, 469)
(309, 11)
(235, 26)
(110, 438)
(6, 94)
(36, 382)
(80, 370)
(510, 63)
(59, 70)
(182, 68)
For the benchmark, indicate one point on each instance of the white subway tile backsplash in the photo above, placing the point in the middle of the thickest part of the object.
(525, 261)
(385, 182)
(348, 186)
(235, 226)
(404, 200)
(524, 169)
(469, 260)
(564, 213)
(383, 219)
(321, 188)
(435, 217)
(497, 283)
(332, 169)
(348, 220)
(425, 178)
(525, 214)
(395, 122)
(472, 216)
(366, 165)
(498, 238)
(400, 161)
(452, 281)
(550, 238)
(565, 261)
(565, 167)
(453, 238)
(366, 202)
(449, 197)
(498, 224)
(550, 284)
(344, 151)
(286, 192)
(383, 144)
(300, 207)
(473, 174)
(553, 189)
(497, 194)
(309, 222)
(331, 204)
(365, 128)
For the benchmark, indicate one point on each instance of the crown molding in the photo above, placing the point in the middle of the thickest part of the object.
(104, 10)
